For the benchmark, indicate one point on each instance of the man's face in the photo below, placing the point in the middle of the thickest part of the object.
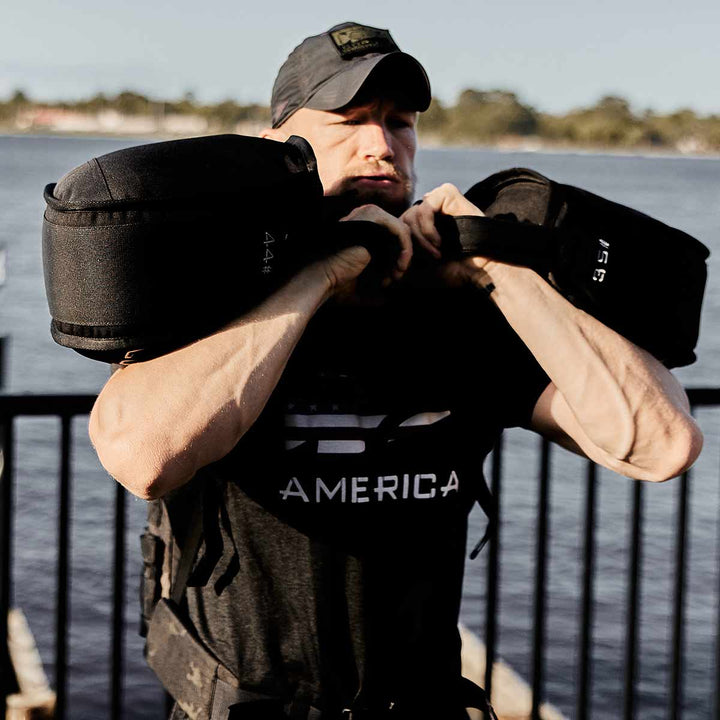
(366, 151)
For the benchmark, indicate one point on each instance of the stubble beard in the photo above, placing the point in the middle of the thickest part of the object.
(395, 203)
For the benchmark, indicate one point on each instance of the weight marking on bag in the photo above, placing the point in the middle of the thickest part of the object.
(602, 257)
(269, 255)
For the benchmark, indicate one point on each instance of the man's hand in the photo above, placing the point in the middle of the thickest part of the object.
(448, 200)
(344, 267)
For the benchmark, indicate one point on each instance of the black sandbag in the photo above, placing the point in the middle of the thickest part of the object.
(637, 275)
(149, 247)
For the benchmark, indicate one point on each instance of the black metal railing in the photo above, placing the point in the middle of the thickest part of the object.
(65, 407)
(699, 397)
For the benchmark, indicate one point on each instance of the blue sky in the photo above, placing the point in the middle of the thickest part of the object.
(556, 54)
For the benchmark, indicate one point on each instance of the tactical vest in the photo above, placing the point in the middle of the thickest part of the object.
(204, 689)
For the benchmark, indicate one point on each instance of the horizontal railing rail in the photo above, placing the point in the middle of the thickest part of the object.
(66, 407)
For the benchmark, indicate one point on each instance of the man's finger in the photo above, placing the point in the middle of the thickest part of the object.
(402, 232)
(406, 249)
(426, 219)
(449, 200)
(396, 226)
(434, 200)
(412, 218)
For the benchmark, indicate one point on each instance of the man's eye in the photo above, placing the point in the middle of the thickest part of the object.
(400, 122)
(350, 122)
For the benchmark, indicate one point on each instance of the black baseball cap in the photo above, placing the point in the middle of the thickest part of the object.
(326, 71)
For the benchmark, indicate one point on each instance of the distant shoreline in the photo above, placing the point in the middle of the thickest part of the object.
(508, 146)
(550, 149)
(496, 119)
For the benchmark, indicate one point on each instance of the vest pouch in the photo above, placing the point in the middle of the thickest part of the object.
(202, 687)
(153, 553)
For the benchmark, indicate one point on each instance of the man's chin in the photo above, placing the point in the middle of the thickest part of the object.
(390, 199)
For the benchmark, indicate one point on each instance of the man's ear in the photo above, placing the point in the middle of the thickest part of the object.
(274, 134)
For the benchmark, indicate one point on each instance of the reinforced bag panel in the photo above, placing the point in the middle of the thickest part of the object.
(202, 686)
(635, 274)
(150, 247)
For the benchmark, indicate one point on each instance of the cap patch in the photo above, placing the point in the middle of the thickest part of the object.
(360, 40)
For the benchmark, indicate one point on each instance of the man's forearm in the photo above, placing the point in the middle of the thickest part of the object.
(631, 413)
(156, 423)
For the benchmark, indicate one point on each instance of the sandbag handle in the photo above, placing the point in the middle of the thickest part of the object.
(518, 243)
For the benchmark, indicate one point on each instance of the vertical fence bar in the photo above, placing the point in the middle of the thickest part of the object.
(6, 516)
(63, 585)
(3, 355)
(6, 508)
(676, 694)
(493, 572)
(716, 699)
(118, 605)
(633, 602)
(540, 581)
(586, 629)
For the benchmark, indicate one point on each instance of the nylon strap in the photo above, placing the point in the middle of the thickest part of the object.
(519, 243)
(188, 554)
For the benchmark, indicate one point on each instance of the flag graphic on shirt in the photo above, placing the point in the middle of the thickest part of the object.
(345, 433)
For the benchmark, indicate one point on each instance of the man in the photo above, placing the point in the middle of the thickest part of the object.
(336, 433)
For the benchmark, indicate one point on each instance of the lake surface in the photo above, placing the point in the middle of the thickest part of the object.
(683, 192)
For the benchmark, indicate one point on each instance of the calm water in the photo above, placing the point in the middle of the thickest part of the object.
(682, 192)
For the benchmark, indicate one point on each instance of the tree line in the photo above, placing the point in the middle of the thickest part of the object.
(487, 116)
(224, 115)
(477, 117)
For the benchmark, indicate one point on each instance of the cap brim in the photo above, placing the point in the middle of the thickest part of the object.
(343, 87)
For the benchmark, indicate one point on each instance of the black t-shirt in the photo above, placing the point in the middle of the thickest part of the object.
(342, 514)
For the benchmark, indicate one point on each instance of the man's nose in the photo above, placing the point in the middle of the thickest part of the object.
(376, 141)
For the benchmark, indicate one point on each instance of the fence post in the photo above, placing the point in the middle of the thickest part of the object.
(584, 699)
(63, 571)
(3, 363)
(7, 675)
(118, 606)
(632, 630)
(676, 693)
(7, 682)
(538, 667)
(3, 344)
(493, 572)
